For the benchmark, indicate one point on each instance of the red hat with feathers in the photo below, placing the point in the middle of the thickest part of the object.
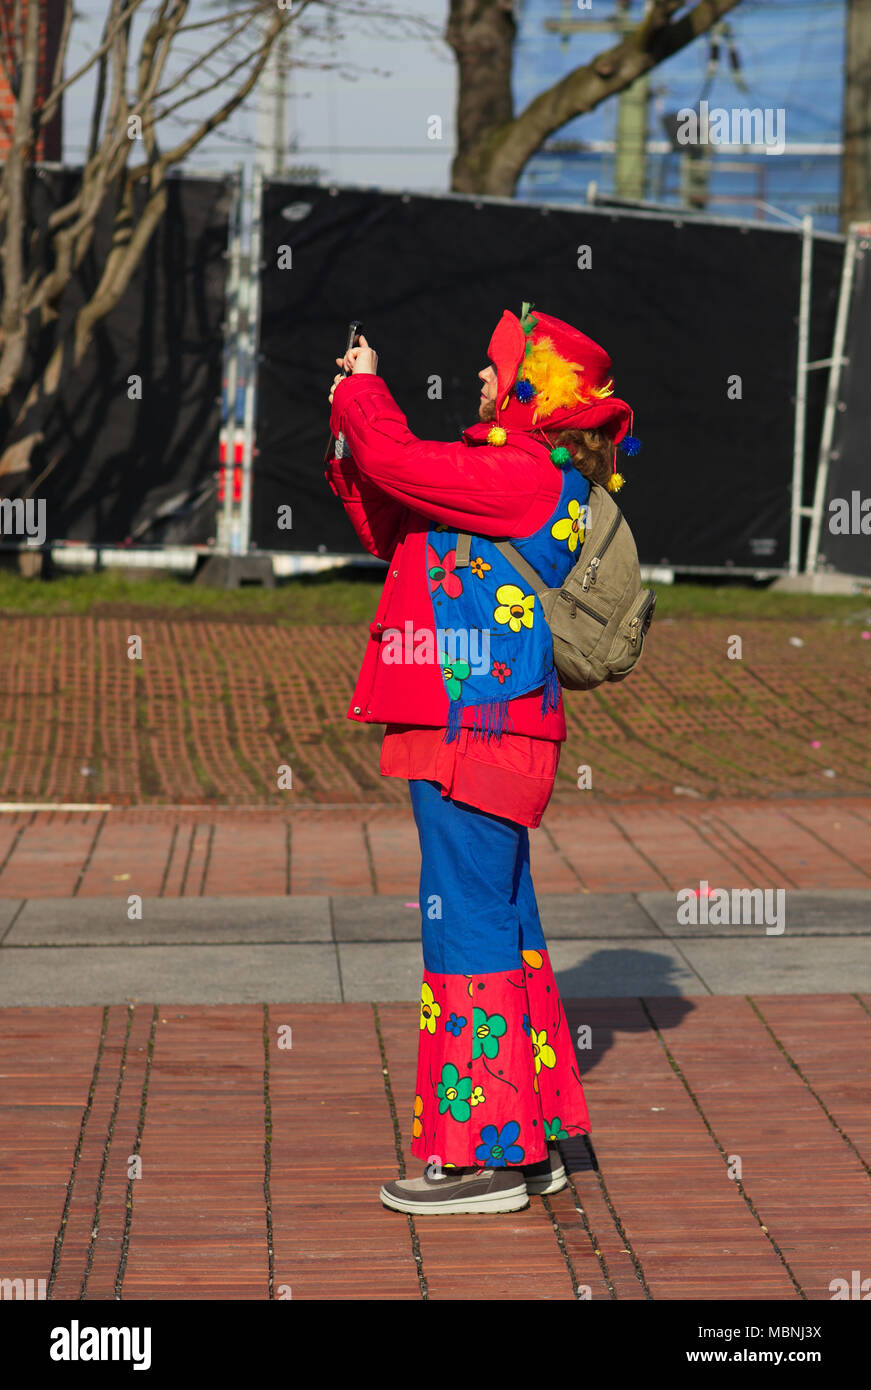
(550, 376)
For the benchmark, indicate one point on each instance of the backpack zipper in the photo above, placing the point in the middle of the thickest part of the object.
(640, 617)
(576, 603)
(592, 567)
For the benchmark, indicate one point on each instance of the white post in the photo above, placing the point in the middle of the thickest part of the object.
(252, 342)
(225, 520)
(832, 390)
(800, 392)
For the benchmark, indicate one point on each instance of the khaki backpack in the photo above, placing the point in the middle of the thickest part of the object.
(600, 615)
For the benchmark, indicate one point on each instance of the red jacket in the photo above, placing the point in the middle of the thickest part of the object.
(395, 487)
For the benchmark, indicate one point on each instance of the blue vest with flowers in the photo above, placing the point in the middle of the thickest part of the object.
(492, 639)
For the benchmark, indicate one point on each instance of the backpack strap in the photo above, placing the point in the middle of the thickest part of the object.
(522, 566)
(464, 543)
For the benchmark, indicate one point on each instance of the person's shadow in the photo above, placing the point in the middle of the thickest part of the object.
(595, 1015)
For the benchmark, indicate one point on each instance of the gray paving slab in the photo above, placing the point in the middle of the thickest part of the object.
(8, 909)
(388, 971)
(171, 921)
(578, 915)
(168, 974)
(836, 912)
(783, 964)
(375, 918)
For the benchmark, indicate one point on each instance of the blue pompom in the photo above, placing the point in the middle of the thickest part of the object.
(524, 391)
(630, 445)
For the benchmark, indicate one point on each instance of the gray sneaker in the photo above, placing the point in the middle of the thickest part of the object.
(451, 1193)
(547, 1176)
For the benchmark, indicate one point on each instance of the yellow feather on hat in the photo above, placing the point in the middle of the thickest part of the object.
(556, 380)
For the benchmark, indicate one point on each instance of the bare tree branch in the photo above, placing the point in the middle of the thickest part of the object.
(63, 44)
(12, 320)
(180, 152)
(54, 97)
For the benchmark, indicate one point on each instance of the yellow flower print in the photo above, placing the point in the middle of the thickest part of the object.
(571, 527)
(469, 978)
(533, 959)
(542, 1052)
(429, 1010)
(477, 1097)
(516, 607)
(479, 566)
(416, 1126)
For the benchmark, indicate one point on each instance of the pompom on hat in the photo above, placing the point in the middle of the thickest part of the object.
(550, 376)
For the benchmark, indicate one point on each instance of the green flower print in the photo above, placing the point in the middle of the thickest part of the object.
(486, 1032)
(453, 1093)
(553, 1129)
(454, 672)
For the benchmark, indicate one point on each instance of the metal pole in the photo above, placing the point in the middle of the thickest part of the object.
(252, 336)
(800, 392)
(225, 521)
(834, 386)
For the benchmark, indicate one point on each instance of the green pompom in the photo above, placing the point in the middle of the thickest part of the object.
(560, 456)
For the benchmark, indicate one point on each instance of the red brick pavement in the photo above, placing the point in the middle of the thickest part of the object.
(593, 847)
(214, 709)
(710, 1115)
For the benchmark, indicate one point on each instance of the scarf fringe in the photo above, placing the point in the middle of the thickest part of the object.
(491, 715)
(489, 722)
(550, 694)
(455, 715)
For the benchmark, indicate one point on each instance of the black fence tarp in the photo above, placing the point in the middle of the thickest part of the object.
(844, 546)
(680, 306)
(123, 468)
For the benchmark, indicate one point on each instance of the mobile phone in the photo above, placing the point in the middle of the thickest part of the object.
(354, 327)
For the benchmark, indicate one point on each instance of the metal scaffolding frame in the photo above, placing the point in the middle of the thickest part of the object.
(835, 363)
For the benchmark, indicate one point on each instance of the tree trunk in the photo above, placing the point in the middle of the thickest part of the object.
(856, 166)
(481, 33)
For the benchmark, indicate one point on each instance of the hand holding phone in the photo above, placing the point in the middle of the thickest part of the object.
(359, 358)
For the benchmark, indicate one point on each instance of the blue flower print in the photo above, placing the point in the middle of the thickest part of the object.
(455, 1025)
(497, 1149)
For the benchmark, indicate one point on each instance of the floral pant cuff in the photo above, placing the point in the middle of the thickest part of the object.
(497, 1071)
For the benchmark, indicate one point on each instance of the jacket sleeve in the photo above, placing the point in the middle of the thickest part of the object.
(491, 490)
(376, 517)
